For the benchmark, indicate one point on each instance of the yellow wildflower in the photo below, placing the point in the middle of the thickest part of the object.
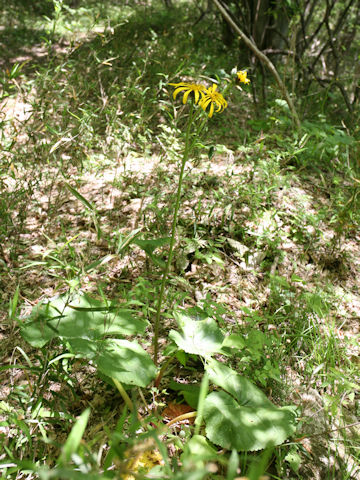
(187, 88)
(242, 77)
(144, 461)
(213, 98)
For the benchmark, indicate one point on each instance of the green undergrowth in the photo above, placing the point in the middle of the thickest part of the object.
(258, 332)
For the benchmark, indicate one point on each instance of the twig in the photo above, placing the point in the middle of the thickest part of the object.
(263, 58)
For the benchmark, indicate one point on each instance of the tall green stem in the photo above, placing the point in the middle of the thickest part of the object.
(187, 150)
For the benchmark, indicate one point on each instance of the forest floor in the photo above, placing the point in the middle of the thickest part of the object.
(264, 241)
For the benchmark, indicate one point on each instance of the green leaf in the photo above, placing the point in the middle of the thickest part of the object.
(99, 262)
(85, 348)
(245, 428)
(316, 304)
(127, 362)
(243, 409)
(282, 103)
(84, 323)
(13, 303)
(197, 473)
(73, 441)
(190, 392)
(16, 69)
(82, 199)
(68, 474)
(294, 460)
(123, 242)
(244, 391)
(149, 246)
(200, 337)
(198, 448)
(233, 465)
(182, 357)
(234, 341)
(211, 152)
(37, 329)
(82, 317)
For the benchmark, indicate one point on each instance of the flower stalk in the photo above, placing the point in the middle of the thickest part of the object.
(187, 150)
(204, 98)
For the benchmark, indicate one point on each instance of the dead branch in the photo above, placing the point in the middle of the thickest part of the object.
(263, 58)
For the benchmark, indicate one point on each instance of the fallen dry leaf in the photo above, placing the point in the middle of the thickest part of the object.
(174, 410)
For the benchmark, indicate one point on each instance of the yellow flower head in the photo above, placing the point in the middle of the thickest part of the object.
(187, 88)
(213, 98)
(143, 461)
(242, 77)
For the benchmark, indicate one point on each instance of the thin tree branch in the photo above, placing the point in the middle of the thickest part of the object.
(277, 51)
(336, 29)
(263, 58)
(322, 23)
(334, 83)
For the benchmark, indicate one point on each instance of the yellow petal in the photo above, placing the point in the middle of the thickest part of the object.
(196, 92)
(185, 97)
(178, 90)
(205, 102)
(211, 113)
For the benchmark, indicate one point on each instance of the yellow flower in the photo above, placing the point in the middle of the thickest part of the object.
(213, 98)
(242, 77)
(187, 88)
(143, 461)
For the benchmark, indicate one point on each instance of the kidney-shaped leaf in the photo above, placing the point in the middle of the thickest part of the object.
(244, 418)
(234, 426)
(80, 316)
(200, 337)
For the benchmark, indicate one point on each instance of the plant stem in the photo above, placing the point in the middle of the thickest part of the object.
(124, 395)
(180, 418)
(188, 146)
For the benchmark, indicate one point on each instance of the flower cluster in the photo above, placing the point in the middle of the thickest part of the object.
(205, 97)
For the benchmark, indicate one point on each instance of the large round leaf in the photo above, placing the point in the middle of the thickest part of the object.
(79, 316)
(234, 426)
(244, 418)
